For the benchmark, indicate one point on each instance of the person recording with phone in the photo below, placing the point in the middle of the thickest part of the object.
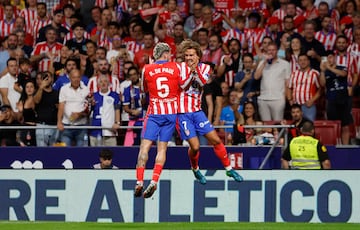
(245, 81)
(46, 105)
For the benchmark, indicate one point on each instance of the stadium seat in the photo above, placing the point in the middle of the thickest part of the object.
(328, 132)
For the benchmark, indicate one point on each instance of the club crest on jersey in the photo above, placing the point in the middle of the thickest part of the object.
(187, 132)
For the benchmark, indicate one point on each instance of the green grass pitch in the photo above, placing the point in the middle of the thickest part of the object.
(15, 225)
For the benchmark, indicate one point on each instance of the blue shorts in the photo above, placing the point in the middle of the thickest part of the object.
(194, 124)
(159, 127)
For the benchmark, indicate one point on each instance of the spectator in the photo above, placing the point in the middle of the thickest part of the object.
(78, 44)
(59, 65)
(325, 11)
(44, 52)
(262, 50)
(95, 16)
(147, 22)
(9, 95)
(297, 120)
(245, 82)
(292, 54)
(334, 78)
(7, 24)
(254, 34)
(230, 64)
(104, 70)
(29, 14)
(118, 56)
(310, 11)
(133, 103)
(284, 45)
(237, 32)
(60, 30)
(124, 115)
(27, 114)
(86, 66)
(194, 22)
(167, 18)
(231, 114)
(326, 35)
(73, 110)
(306, 152)
(202, 37)
(23, 73)
(7, 52)
(106, 112)
(46, 106)
(68, 10)
(41, 21)
(8, 137)
(142, 56)
(224, 86)
(250, 118)
(21, 43)
(214, 53)
(313, 48)
(211, 101)
(304, 87)
(70, 64)
(274, 74)
(105, 157)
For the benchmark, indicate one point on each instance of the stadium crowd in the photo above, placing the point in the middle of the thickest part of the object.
(65, 66)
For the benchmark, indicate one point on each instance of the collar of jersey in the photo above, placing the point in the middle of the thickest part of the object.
(161, 61)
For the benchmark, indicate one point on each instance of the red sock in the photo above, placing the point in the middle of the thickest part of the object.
(140, 173)
(221, 153)
(194, 159)
(156, 173)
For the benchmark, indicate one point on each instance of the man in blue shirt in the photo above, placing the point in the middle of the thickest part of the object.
(70, 64)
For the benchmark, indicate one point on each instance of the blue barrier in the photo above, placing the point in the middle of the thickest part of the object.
(125, 157)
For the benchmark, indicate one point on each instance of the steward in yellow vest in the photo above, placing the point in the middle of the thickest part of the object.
(305, 151)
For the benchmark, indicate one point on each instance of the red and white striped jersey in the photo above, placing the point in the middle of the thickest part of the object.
(43, 47)
(281, 13)
(133, 46)
(107, 43)
(254, 36)
(354, 52)
(121, 3)
(349, 34)
(70, 35)
(38, 24)
(190, 98)
(2, 12)
(294, 63)
(113, 81)
(162, 80)
(6, 27)
(29, 15)
(234, 33)
(311, 14)
(66, 25)
(102, 34)
(328, 40)
(304, 85)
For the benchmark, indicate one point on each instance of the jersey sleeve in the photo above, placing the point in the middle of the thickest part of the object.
(143, 85)
(202, 75)
(322, 152)
(185, 75)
